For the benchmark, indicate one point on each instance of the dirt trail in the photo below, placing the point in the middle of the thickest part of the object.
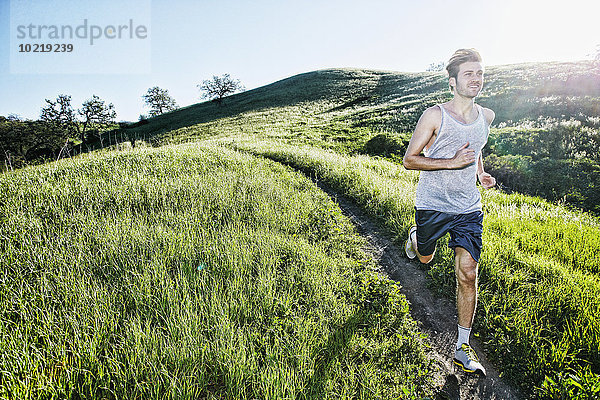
(436, 315)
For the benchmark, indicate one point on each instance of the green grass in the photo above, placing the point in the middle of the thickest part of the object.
(369, 101)
(192, 272)
(539, 286)
(347, 110)
(199, 272)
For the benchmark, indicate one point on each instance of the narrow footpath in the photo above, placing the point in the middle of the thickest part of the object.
(435, 315)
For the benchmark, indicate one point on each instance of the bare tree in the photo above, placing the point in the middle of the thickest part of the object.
(159, 101)
(219, 87)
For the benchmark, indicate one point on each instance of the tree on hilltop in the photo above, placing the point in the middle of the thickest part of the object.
(436, 67)
(59, 125)
(96, 115)
(219, 87)
(60, 115)
(159, 101)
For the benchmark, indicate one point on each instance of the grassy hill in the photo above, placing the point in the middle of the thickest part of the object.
(210, 269)
(192, 272)
(541, 111)
(544, 140)
(394, 101)
(539, 297)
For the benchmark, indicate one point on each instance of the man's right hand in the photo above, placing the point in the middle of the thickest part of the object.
(463, 157)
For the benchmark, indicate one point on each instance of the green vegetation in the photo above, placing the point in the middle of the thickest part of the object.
(539, 290)
(558, 160)
(554, 106)
(199, 271)
(57, 133)
(192, 272)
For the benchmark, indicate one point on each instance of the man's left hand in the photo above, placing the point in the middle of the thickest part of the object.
(486, 180)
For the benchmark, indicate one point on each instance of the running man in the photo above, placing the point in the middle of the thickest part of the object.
(451, 136)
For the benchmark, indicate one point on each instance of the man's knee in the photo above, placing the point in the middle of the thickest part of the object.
(426, 259)
(466, 267)
(467, 276)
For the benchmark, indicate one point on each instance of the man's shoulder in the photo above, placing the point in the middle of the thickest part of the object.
(432, 115)
(430, 120)
(489, 115)
(433, 110)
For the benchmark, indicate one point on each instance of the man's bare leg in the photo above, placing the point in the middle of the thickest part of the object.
(466, 292)
(466, 302)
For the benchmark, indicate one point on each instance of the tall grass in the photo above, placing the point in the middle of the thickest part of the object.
(539, 288)
(192, 272)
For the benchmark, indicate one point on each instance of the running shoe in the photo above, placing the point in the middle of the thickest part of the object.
(465, 357)
(408, 246)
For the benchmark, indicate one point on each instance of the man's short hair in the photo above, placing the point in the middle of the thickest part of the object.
(459, 57)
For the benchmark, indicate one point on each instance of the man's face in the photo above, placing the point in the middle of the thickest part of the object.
(469, 80)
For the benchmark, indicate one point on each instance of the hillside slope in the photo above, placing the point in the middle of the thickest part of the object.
(547, 119)
(172, 250)
(544, 141)
(191, 272)
(394, 100)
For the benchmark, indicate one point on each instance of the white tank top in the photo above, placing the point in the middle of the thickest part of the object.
(453, 191)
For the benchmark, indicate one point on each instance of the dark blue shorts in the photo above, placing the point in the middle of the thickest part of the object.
(465, 231)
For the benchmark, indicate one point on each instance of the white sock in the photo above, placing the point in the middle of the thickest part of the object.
(463, 336)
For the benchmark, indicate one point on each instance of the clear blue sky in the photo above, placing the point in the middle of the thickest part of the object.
(262, 41)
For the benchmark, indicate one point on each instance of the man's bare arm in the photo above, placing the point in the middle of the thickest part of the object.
(486, 180)
(489, 115)
(426, 127)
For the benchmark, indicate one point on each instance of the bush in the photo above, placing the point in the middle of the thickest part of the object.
(576, 182)
(386, 145)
